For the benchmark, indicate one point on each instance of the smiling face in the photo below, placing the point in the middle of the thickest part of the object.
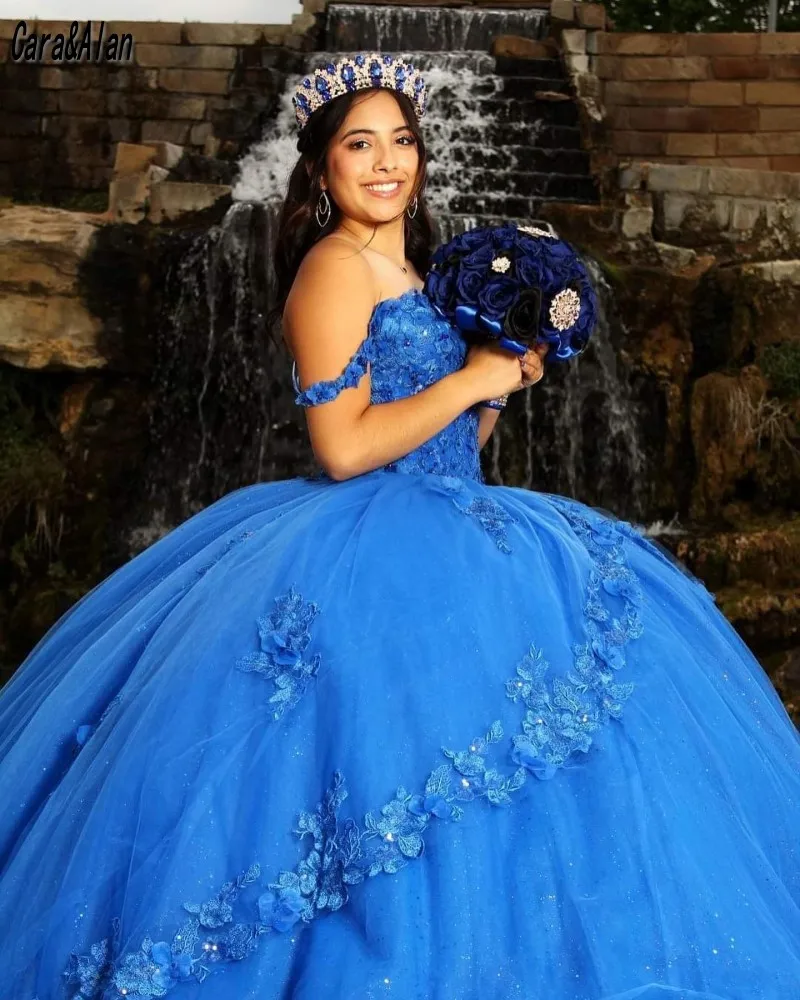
(372, 161)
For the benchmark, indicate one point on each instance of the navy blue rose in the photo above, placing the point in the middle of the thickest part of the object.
(529, 271)
(474, 238)
(498, 296)
(504, 237)
(541, 268)
(480, 259)
(469, 285)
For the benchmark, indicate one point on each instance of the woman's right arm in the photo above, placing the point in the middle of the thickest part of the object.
(325, 319)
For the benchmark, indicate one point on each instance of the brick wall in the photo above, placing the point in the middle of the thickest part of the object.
(208, 87)
(724, 100)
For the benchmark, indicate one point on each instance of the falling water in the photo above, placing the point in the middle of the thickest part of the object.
(580, 432)
(500, 145)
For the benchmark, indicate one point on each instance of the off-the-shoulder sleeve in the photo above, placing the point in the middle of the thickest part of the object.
(325, 391)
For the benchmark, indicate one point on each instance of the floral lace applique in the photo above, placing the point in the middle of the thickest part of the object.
(491, 516)
(284, 636)
(325, 391)
(560, 719)
(410, 347)
(342, 853)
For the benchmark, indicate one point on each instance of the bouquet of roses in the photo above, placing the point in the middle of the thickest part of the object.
(521, 286)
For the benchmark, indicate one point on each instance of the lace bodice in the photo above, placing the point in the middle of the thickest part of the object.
(409, 347)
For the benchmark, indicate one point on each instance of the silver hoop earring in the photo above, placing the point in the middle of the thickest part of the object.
(323, 212)
(414, 206)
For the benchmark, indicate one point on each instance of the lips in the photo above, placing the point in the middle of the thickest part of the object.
(388, 193)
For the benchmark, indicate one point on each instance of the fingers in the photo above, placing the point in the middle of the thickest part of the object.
(532, 367)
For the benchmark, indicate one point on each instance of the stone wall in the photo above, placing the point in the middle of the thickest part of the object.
(743, 214)
(728, 100)
(206, 87)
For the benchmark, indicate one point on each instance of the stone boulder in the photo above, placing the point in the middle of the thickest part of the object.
(44, 322)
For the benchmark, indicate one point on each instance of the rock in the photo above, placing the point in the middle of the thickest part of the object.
(675, 258)
(132, 158)
(784, 669)
(762, 552)
(551, 95)
(129, 196)
(170, 199)
(761, 616)
(519, 47)
(73, 406)
(43, 320)
(637, 218)
(168, 154)
(724, 413)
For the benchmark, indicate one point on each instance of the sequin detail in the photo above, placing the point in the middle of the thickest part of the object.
(560, 719)
(284, 636)
(342, 853)
(410, 347)
(326, 390)
(230, 544)
(491, 516)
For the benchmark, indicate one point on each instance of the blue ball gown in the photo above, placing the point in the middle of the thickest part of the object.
(407, 735)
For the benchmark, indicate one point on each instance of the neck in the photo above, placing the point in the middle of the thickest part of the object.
(389, 237)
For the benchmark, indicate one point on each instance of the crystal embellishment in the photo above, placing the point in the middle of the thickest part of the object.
(565, 309)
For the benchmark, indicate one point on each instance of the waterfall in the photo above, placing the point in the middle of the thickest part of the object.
(499, 147)
(440, 29)
(222, 416)
(580, 432)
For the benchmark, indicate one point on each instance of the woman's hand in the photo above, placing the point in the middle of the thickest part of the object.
(497, 372)
(532, 364)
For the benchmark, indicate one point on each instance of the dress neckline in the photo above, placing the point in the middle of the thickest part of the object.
(373, 316)
(393, 298)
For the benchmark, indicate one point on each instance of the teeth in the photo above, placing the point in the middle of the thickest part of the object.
(383, 187)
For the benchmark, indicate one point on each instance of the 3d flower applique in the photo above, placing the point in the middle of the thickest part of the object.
(493, 518)
(284, 636)
(446, 485)
(82, 734)
(559, 720)
(563, 715)
(90, 974)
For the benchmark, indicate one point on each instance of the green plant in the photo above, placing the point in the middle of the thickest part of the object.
(701, 15)
(30, 471)
(780, 363)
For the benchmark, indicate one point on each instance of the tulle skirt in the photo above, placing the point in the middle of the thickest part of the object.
(404, 736)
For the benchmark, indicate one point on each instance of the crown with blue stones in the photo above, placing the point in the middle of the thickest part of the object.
(373, 69)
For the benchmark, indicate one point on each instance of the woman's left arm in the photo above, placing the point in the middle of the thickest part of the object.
(532, 364)
(486, 420)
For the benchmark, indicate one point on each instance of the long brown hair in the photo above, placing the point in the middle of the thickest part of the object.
(298, 229)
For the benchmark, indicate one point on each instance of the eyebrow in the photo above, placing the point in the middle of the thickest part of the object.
(371, 131)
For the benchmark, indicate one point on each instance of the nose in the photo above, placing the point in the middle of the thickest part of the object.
(385, 158)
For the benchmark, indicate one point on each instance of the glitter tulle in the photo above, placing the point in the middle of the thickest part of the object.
(407, 735)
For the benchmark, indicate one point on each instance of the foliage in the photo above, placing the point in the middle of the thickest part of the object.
(781, 365)
(30, 472)
(701, 15)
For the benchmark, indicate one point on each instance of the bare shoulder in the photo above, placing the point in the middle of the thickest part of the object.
(334, 287)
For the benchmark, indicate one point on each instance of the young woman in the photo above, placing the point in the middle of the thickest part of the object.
(391, 731)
